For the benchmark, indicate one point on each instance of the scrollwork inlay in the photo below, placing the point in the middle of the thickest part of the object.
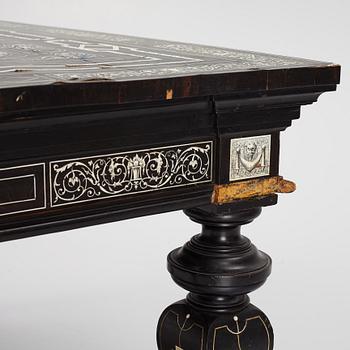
(84, 179)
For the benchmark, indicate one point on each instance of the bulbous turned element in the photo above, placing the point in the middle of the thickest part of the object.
(219, 265)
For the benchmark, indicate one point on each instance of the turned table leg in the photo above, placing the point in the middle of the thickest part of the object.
(219, 267)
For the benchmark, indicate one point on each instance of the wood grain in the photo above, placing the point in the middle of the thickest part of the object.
(251, 188)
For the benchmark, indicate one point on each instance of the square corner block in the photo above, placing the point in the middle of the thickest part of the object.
(250, 157)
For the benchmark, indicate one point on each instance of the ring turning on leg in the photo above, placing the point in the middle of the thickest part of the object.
(218, 267)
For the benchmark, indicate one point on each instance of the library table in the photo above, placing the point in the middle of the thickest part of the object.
(99, 127)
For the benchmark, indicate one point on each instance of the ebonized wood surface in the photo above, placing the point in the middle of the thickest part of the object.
(99, 127)
(44, 67)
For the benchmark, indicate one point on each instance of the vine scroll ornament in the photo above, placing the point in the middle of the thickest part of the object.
(92, 178)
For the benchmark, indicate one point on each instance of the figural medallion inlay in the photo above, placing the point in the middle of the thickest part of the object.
(250, 157)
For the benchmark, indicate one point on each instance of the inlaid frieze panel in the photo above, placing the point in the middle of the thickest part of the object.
(105, 176)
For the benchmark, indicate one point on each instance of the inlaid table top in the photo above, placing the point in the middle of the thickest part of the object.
(135, 69)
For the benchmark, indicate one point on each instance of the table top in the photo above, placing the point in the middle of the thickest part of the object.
(135, 69)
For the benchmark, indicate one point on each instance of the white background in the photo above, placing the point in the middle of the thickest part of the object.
(104, 287)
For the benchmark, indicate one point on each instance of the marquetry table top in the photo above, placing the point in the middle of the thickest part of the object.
(137, 69)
